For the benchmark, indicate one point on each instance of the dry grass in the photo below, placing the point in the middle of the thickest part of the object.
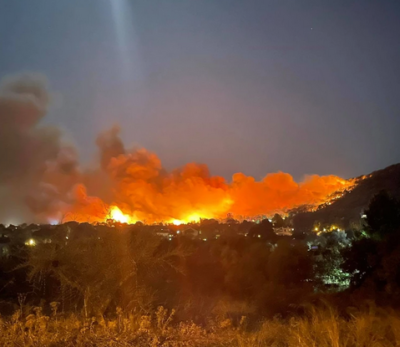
(320, 328)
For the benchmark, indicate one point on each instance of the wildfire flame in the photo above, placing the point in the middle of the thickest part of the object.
(194, 218)
(133, 186)
(128, 185)
(117, 215)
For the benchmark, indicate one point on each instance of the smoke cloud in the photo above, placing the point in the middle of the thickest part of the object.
(35, 166)
(41, 179)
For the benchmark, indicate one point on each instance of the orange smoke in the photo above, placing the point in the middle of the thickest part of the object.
(133, 186)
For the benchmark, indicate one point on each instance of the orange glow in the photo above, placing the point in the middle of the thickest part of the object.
(177, 222)
(118, 216)
(136, 181)
(194, 218)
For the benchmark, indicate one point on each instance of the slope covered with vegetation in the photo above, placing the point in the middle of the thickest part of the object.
(347, 210)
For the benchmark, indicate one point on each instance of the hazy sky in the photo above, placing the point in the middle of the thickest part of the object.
(251, 86)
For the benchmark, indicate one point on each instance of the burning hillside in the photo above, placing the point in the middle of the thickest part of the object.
(129, 185)
(139, 189)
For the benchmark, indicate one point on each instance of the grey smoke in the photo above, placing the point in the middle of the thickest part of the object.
(33, 159)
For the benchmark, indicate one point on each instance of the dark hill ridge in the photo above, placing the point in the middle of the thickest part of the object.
(347, 210)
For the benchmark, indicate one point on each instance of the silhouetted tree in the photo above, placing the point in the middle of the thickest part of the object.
(290, 264)
(113, 270)
(245, 227)
(302, 224)
(278, 221)
(264, 230)
(383, 215)
(374, 262)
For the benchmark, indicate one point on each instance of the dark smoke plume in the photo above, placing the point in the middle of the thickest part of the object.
(33, 157)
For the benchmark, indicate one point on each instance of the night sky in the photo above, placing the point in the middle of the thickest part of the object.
(243, 86)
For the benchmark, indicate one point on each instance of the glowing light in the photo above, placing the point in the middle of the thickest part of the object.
(177, 222)
(31, 242)
(193, 218)
(117, 215)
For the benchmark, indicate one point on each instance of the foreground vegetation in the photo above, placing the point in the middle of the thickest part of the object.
(82, 285)
(319, 327)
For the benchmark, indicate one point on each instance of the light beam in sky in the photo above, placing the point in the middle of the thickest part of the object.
(124, 31)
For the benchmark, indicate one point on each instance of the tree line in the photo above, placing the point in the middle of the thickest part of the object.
(93, 271)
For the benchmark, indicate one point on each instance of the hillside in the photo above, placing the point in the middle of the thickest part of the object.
(348, 209)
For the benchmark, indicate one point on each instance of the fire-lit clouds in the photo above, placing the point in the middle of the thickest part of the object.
(278, 192)
(42, 174)
(143, 191)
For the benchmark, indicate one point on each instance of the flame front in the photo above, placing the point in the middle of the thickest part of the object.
(117, 215)
(193, 218)
(133, 186)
